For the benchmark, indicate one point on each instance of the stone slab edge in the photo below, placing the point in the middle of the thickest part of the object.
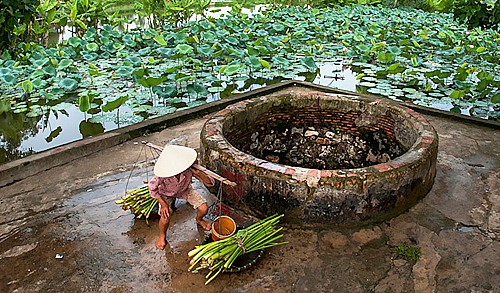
(31, 165)
(22, 168)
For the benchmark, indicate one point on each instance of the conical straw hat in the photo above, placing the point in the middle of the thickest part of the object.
(173, 160)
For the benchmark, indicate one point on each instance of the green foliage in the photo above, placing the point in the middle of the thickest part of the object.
(426, 5)
(475, 13)
(162, 12)
(410, 252)
(15, 16)
(30, 21)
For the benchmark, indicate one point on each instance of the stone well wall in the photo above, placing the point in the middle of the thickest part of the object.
(315, 197)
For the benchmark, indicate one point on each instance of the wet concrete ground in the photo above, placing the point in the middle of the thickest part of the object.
(69, 212)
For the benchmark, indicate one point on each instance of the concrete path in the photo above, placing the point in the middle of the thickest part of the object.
(60, 231)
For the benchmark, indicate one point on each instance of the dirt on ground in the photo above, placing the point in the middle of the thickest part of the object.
(61, 231)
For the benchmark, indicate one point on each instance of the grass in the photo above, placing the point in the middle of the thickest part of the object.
(411, 252)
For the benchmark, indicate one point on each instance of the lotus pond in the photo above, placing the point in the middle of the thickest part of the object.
(107, 79)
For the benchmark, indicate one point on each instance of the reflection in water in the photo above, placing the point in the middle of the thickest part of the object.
(57, 127)
(14, 129)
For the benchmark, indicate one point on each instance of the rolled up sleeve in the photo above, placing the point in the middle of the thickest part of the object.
(153, 187)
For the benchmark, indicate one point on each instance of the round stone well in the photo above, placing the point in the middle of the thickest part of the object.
(321, 158)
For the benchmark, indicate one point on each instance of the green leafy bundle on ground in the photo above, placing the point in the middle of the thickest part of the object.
(220, 255)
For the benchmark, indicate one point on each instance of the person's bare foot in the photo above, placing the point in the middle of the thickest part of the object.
(204, 224)
(161, 242)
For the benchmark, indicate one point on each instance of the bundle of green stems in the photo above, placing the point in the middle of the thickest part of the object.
(220, 255)
(139, 201)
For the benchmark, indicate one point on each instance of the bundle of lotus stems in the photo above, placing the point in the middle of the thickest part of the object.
(139, 202)
(218, 256)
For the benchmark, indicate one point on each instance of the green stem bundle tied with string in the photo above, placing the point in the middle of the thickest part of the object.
(220, 255)
(139, 201)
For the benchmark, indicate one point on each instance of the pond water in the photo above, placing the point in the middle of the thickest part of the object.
(51, 115)
(70, 125)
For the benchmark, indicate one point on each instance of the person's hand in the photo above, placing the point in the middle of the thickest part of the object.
(165, 211)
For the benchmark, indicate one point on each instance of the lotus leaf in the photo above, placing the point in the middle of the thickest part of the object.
(65, 63)
(385, 56)
(205, 25)
(89, 56)
(198, 89)
(61, 106)
(151, 81)
(125, 71)
(92, 47)
(309, 63)
(167, 91)
(215, 89)
(136, 61)
(8, 79)
(394, 50)
(160, 40)
(110, 106)
(74, 41)
(232, 41)
(84, 103)
(9, 63)
(39, 83)
(231, 69)
(457, 94)
(184, 49)
(5, 106)
(495, 98)
(68, 84)
(144, 51)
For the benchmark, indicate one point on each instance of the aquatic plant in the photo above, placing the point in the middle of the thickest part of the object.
(402, 54)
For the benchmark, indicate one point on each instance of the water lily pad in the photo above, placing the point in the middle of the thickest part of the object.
(367, 84)
(68, 84)
(144, 51)
(92, 47)
(309, 63)
(74, 41)
(124, 71)
(65, 63)
(215, 89)
(165, 91)
(197, 89)
(8, 79)
(136, 61)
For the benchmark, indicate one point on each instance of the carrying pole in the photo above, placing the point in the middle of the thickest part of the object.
(199, 167)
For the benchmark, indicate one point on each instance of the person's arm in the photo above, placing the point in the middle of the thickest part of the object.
(207, 180)
(153, 185)
(165, 209)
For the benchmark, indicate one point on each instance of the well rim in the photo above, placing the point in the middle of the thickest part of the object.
(423, 147)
